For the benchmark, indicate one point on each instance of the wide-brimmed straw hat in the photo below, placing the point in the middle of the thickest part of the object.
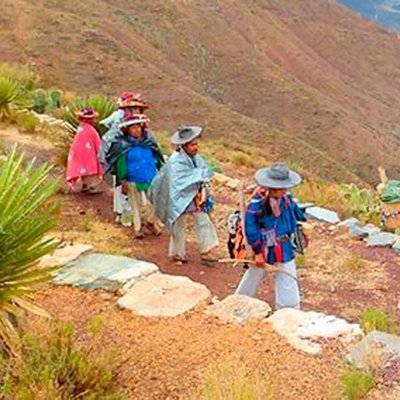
(87, 113)
(278, 176)
(133, 119)
(185, 134)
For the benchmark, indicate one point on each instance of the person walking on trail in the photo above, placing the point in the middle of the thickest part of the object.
(182, 189)
(84, 172)
(271, 220)
(129, 103)
(135, 158)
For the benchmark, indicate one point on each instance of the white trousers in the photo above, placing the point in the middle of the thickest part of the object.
(287, 293)
(141, 209)
(120, 199)
(206, 233)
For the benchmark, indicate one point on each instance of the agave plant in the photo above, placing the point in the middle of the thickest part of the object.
(103, 105)
(26, 215)
(9, 94)
(21, 74)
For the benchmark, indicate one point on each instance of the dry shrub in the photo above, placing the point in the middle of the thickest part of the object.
(321, 193)
(354, 263)
(230, 381)
(375, 319)
(356, 384)
(27, 123)
(51, 365)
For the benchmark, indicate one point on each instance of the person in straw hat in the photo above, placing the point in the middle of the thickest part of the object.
(83, 165)
(182, 189)
(271, 220)
(135, 158)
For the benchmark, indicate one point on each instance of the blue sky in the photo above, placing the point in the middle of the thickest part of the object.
(383, 12)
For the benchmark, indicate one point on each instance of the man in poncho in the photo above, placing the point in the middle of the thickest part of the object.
(181, 189)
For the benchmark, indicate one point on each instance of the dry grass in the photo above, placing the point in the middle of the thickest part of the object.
(229, 381)
(354, 263)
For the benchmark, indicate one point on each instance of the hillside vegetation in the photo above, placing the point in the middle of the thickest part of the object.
(309, 82)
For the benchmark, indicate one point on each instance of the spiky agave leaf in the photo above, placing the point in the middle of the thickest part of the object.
(26, 215)
(103, 105)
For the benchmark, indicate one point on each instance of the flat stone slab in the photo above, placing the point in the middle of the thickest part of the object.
(361, 232)
(303, 328)
(381, 239)
(103, 271)
(162, 295)
(323, 214)
(348, 223)
(239, 309)
(65, 255)
(375, 346)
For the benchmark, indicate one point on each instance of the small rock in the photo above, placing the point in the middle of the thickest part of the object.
(348, 223)
(357, 232)
(323, 214)
(239, 309)
(381, 239)
(375, 346)
(396, 245)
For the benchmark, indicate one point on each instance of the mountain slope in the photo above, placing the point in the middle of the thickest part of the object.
(309, 81)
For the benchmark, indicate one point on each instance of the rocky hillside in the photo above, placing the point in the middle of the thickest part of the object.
(310, 82)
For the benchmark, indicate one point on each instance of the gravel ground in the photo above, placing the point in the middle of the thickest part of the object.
(167, 358)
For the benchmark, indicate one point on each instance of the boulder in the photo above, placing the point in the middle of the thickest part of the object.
(323, 214)
(375, 346)
(103, 271)
(381, 239)
(239, 309)
(162, 295)
(303, 329)
(65, 255)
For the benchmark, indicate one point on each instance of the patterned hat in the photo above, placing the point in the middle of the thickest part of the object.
(132, 119)
(131, 99)
(87, 113)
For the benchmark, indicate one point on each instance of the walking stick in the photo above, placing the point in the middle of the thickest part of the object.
(270, 268)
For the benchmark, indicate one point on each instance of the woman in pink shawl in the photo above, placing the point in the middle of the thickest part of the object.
(83, 164)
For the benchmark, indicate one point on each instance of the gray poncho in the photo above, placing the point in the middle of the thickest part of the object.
(176, 185)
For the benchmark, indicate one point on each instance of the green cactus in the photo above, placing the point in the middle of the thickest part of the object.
(55, 98)
(39, 101)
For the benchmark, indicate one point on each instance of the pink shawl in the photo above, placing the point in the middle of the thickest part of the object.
(83, 154)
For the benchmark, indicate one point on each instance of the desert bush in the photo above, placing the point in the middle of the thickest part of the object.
(103, 105)
(52, 366)
(21, 74)
(26, 216)
(354, 263)
(318, 192)
(242, 159)
(360, 202)
(27, 122)
(376, 319)
(356, 384)
(229, 381)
